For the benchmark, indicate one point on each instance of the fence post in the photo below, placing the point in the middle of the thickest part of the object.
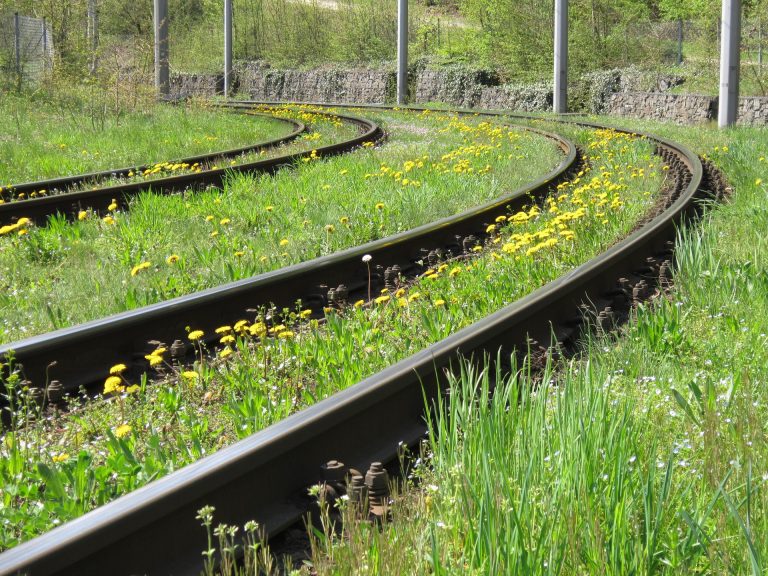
(93, 34)
(17, 47)
(402, 51)
(560, 93)
(679, 41)
(729, 63)
(227, 47)
(162, 75)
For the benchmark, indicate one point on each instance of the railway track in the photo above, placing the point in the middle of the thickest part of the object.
(152, 530)
(82, 352)
(70, 203)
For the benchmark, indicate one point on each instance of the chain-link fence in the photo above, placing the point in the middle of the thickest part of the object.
(26, 49)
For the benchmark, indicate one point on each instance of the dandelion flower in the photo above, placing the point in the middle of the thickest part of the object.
(82, 215)
(330, 228)
(118, 369)
(228, 339)
(227, 352)
(439, 302)
(382, 299)
(133, 389)
(285, 335)
(172, 259)
(122, 431)
(190, 375)
(113, 205)
(367, 258)
(63, 457)
(139, 267)
(195, 335)
(380, 206)
(113, 384)
(224, 221)
(284, 242)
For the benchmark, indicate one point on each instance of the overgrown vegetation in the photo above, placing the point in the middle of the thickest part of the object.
(647, 454)
(262, 371)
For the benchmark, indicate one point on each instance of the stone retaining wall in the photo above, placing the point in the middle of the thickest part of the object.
(680, 108)
(612, 92)
(363, 86)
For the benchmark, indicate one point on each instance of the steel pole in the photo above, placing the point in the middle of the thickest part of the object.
(162, 75)
(227, 47)
(560, 94)
(402, 51)
(729, 63)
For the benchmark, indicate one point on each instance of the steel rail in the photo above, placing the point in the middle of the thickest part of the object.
(263, 477)
(72, 202)
(82, 353)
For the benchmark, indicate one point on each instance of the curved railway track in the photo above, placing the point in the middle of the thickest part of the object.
(152, 530)
(82, 352)
(70, 203)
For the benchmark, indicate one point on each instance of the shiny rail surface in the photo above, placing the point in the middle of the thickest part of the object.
(264, 477)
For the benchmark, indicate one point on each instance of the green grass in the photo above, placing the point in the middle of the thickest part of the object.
(256, 224)
(54, 470)
(646, 455)
(40, 141)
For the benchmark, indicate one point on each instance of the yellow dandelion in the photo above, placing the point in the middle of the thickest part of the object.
(122, 431)
(359, 304)
(63, 457)
(113, 205)
(139, 267)
(228, 339)
(305, 313)
(439, 302)
(382, 299)
(82, 215)
(118, 369)
(284, 242)
(241, 326)
(209, 218)
(380, 206)
(133, 389)
(113, 384)
(190, 375)
(195, 335)
(226, 352)
(172, 259)
(285, 335)
(239, 254)
(224, 221)
(108, 220)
